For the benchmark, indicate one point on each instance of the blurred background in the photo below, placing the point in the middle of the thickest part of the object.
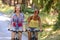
(49, 13)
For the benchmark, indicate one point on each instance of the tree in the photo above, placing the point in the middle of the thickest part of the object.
(57, 7)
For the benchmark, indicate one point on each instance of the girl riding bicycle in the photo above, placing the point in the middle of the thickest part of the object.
(34, 22)
(17, 20)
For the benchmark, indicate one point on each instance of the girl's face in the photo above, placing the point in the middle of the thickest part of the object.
(36, 13)
(17, 9)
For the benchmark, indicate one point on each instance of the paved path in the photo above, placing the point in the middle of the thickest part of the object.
(4, 33)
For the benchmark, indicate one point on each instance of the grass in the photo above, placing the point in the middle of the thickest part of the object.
(52, 35)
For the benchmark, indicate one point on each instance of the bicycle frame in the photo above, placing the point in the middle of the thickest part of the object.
(16, 36)
(33, 37)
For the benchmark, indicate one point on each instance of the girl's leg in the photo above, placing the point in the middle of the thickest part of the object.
(36, 36)
(13, 35)
(29, 35)
(20, 35)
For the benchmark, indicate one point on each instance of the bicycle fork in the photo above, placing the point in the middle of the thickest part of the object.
(33, 37)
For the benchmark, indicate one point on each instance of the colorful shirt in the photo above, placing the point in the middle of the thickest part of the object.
(17, 21)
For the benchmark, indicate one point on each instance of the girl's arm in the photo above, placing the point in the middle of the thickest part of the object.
(28, 20)
(10, 23)
(40, 23)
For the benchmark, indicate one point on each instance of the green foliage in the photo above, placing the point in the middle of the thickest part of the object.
(48, 6)
(6, 9)
(57, 25)
(23, 7)
(29, 10)
(57, 5)
(41, 3)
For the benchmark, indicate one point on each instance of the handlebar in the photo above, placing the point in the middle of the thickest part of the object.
(35, 30)
(26, 30)
(15, 31)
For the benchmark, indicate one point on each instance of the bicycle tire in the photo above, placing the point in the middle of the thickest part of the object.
(16, 39)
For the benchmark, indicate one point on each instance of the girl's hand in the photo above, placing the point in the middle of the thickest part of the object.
(41, 30)
(24, 29)
(9, 28)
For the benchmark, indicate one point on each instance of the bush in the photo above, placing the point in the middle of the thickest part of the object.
(29, 10)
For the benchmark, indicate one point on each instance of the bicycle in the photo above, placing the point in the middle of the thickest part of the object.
(33, 37)
(16, 36)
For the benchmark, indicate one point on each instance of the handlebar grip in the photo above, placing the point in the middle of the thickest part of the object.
(8, 29)
(41, 31)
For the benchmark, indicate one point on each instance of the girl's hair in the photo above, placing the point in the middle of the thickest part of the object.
(36, 11)
(17, 6)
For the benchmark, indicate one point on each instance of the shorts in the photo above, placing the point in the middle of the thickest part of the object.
(17, 28)
(32, 28)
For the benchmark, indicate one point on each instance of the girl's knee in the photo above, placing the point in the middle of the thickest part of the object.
(13, 35)
(12, 38)
(20, 35)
